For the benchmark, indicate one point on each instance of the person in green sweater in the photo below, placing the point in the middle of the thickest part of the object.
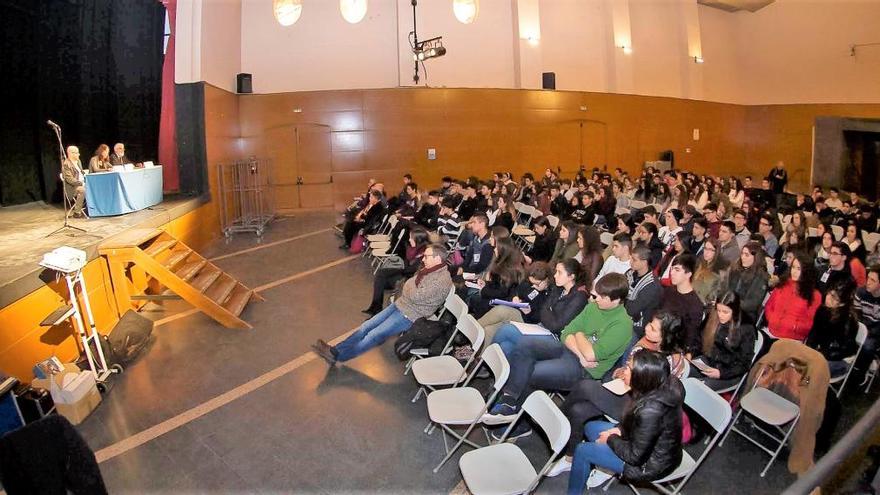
(588, 346)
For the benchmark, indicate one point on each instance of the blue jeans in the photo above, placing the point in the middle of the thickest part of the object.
(508, 336)
(541, 363)
(591, 454)
(373, 332)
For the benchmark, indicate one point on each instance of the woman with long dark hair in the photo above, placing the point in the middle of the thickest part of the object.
(733, 345)
(567, 245)
(711, 271)
(590, 253)
(646, 444)
(545, 241)
(748, 278)
(503, 275)
(681, 241)
(835, 328)
(793, 303)
(100, 161)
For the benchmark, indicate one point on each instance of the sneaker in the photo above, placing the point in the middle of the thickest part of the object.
(563, 465)
(325, 351)
(501, 413)
(598, 478)
(521, 430)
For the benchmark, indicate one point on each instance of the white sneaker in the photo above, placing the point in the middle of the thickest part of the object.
(598, 478)
(563, 465)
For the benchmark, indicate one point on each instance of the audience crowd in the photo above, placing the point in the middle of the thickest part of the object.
(628, 278)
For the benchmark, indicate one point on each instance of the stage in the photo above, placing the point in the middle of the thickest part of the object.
(24, 230)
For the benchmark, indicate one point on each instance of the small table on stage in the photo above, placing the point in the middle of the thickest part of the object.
(120, 192)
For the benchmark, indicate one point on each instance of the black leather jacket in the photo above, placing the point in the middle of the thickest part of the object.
(650, 444)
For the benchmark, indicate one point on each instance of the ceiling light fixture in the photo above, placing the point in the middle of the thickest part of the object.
(353, 11)
(287, 12)
(466, 11)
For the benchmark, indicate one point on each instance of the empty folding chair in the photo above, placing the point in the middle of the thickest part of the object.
(716, 412)
(446, 370)
(503, 468)
(861, 336)
(464, 406)
(768, 407)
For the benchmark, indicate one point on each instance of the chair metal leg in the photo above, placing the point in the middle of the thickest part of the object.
(418, 393)
(781, 444)
(409, 365)
(730, 427)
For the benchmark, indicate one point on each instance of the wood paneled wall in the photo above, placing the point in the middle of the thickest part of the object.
(384, 133)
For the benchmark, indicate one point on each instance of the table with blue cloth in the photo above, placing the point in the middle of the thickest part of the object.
(125, 191)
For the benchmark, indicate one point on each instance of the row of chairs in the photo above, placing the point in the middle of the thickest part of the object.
(503, 467)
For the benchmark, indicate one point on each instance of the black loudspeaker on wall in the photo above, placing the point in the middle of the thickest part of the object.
(244, 83)
(548, 80)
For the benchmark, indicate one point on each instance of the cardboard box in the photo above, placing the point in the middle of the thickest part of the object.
(75, 405)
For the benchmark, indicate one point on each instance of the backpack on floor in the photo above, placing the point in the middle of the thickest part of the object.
(421, 335)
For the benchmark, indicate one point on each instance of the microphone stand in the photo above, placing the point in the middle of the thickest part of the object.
(67, 210)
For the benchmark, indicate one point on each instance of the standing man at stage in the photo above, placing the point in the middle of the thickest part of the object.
(74, 185)
(778, 178)
(118, 157)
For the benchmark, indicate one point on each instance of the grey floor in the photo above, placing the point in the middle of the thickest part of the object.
(313, 430)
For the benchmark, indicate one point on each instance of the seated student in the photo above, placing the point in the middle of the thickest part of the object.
(646, 444)
(835, 328)
(732, 345)
(534, 291)
(368, 219)
(667, 233)
(387, 278)
(501, 279)
(559, 203)
(448, 224)
(504, 212)
(408, 201)
(679, 246)
(619, 261)
(567, 245)
(730, 250)
(711, 271)
(545, 241)
(646, 234)
(867, 308)
(838, 270)
(468, 205)
(699, 233)
(582, 209)
(644, 296)
(564, 302)
(478, 254)
(590, 344)
(590, 399)
(429, 212)
(420, 297)
(793, 303)
(682, 300)
(711, 214)
(590, 253)
(748, 278)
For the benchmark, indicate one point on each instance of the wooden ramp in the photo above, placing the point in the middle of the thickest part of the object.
(150, 264)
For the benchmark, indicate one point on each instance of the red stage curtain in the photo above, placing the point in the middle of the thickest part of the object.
(167, 121)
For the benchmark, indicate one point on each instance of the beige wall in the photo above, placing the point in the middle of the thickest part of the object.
(208, 42)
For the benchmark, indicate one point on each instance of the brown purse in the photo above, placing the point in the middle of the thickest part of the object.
(786, 379)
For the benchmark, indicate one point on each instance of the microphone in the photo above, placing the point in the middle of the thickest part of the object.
(53, 124)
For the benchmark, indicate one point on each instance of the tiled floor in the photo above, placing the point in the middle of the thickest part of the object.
(312, 430)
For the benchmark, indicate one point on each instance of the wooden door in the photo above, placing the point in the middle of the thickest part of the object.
(314, 168)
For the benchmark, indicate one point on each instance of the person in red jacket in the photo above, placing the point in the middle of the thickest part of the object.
(793, 304)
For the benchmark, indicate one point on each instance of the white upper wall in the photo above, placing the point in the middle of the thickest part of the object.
(792, 51)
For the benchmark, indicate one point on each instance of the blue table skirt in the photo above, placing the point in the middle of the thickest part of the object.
(117, 193)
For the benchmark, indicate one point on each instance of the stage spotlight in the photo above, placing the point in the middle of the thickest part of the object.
(431, 48)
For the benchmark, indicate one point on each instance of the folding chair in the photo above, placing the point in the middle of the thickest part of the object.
(503, 468)
(861, 336)
(716, 412)
(554, 221)
(621, 210)
(637, 205)
(838, 232)
(458, 308)
(445, 370)
(464, 406)
(812, 232)
(871, 240)
(759, 343)
(384, 229)
(770, 408)
(606, 238)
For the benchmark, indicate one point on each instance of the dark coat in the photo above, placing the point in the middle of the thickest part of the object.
(732, 351)
(650, 440)
(560, 310)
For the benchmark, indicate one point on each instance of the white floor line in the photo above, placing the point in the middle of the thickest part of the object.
(271, 244)
(204, 408)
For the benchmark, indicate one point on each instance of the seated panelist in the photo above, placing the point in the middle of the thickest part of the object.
(118, 157)
(100, 162)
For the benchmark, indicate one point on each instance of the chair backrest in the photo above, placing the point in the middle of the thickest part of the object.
(620, 210)
(812, 232)
(392, 220)
(549, 418)
(470, 328)
(554, 221)
(861, 335)
(838, 231)
(637, 205)
(871, 240)
(707, 403)
(771, 265)
(455, 305)
(606, 238)
(494, 358)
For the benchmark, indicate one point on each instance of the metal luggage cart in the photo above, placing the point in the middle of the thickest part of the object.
(246, 200)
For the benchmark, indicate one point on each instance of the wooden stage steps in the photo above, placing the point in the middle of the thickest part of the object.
(150, 264)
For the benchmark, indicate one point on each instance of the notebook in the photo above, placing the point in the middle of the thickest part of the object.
(616, 386)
